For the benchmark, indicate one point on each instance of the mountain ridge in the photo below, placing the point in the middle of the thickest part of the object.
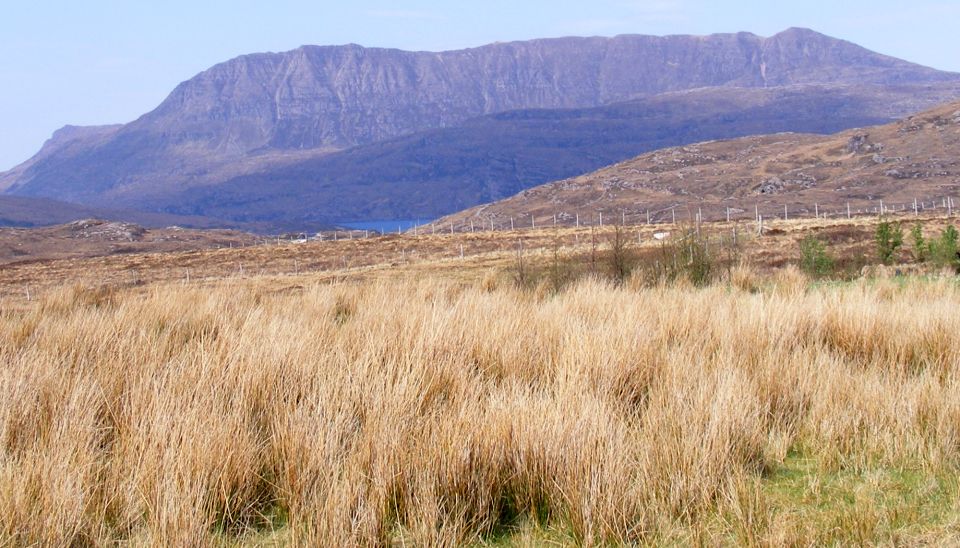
(262, 112)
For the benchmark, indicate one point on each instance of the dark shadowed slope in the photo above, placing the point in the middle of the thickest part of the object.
(21, 211)
(436, 172)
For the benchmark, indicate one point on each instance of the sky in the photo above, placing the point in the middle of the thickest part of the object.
(94, 62)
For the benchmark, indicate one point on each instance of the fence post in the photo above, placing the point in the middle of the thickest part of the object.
(816, 210)
(648, 216)
(673, 213)
(511, 223)
(728, 214)
(784, 212)
(601, 219)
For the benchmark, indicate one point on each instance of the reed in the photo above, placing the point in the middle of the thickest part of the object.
(435, 412)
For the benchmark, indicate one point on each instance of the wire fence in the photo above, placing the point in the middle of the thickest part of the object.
(678, 214)
(762, 214)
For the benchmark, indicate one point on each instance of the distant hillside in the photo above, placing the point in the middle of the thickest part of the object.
(19, 211)
(251, 122)
(432, 173)
(96, 238)
(918, 157)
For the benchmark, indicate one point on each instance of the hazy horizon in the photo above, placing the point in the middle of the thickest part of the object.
(108, 62)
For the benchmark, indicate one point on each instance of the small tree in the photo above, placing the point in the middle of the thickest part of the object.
(889, 238)
(686, 255)
(700, 266)
(522, 275)
(561, 271)
(944, 249)
(620, 261)
(814, 258)
(921, 248)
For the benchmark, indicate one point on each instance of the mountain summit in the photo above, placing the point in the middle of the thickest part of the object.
(262, 112)
(347, 95)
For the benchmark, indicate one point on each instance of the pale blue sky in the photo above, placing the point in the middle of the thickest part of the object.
(106, 61)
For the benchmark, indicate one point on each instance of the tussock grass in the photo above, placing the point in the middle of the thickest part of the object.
(439, 413)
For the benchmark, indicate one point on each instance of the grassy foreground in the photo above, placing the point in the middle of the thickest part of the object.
(439, 413)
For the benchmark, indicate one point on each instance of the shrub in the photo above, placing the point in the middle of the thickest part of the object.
(943, 250)
(523, 275)
(684, 257)
(889, 238)
(921, 248)
(620, 260)
(815, 261)
(561, 272)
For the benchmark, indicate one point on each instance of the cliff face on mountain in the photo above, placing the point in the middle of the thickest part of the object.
(342, 96)
(262, 113)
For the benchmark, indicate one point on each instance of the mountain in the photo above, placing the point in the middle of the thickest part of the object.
(915, 158)
(257, 115)
(432, 173)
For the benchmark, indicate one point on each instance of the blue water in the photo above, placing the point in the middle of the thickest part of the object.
(386, 226)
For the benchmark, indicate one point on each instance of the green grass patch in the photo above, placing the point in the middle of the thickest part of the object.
(873, 505)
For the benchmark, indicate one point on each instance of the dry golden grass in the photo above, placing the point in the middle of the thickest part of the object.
(434, 412)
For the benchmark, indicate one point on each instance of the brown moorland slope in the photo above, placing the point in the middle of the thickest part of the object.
(95, 238)
(61, 260)
(917, 157)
